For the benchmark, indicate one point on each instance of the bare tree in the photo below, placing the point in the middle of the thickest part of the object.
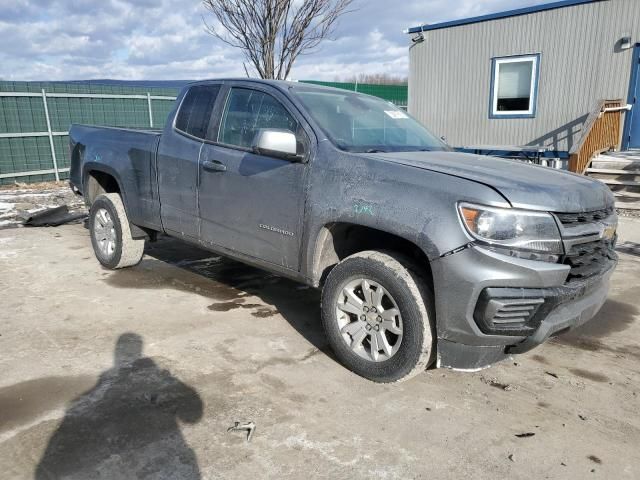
(273, 33)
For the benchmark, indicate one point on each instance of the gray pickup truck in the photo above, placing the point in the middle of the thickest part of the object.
(424, 255)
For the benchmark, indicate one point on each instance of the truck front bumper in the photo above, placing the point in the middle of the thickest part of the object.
(477, 291)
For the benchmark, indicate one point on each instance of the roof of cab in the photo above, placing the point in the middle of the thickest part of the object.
(281, 84)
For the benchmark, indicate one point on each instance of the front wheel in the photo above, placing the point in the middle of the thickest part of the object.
(378, 316)
(110, 233)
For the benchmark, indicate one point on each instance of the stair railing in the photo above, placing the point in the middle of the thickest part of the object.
(601, 133)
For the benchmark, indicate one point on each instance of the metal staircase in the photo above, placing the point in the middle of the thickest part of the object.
(621, 172)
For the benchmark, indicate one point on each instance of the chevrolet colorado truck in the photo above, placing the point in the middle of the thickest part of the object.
(424, 255)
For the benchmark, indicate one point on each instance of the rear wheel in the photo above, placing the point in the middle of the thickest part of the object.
(110, 233)
(377, 313)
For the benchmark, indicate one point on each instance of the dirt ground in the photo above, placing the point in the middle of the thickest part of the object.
(139, 373)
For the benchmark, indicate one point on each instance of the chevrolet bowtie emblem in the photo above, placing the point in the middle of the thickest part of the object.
(608, 232)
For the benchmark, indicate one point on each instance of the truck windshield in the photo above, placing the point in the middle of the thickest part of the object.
(360, 123)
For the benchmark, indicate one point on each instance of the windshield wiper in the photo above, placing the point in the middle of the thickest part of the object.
(375, 150)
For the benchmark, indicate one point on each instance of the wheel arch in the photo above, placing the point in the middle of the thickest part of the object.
(99, 179)
(338, 240)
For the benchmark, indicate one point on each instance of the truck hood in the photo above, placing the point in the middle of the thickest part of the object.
(523, 185)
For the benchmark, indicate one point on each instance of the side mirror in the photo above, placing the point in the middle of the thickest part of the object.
(276, 143)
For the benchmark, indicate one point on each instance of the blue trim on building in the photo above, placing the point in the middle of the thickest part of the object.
(534, 98)
(628, 118)
(506, 14)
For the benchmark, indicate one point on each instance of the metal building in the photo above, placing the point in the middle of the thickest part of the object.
(531, 76)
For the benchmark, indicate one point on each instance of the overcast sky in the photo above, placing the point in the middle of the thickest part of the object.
(165, 39)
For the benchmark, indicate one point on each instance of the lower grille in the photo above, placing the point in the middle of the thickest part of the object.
(509, 311)
(512, 311)
(590, 259)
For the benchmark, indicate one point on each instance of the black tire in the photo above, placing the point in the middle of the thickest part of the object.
(126, 251)
(413, 298)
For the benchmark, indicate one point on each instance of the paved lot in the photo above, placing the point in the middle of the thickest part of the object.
(148, 367)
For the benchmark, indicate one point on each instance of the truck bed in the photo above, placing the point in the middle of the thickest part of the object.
(129, 155)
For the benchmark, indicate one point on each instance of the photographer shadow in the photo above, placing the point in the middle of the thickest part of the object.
(127, 426)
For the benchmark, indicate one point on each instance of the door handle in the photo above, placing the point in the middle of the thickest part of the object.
(214, 166)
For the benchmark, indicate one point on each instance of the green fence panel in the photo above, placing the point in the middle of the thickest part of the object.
(398, 94)
(22, 114)
(63, 156)
(26, 115)
(93, 88)
(25, 154)
(112, 112)
(161, 110)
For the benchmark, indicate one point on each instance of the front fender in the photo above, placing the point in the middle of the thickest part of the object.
(415, 204)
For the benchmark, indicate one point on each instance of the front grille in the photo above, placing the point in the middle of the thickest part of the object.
(590, 259)
(569, 219)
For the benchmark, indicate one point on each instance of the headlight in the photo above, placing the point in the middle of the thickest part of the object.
(509, 228)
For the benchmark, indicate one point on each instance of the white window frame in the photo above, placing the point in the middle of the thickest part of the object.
(533, 89)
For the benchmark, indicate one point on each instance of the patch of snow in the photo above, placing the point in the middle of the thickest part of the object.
(9, 224)
(19, 190)
(5, 255)
(7, 196)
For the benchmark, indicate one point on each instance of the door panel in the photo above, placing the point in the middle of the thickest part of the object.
(250, 203)
(178, 160)
(253, 207)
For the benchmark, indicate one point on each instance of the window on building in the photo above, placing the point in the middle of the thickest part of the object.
(514, 86)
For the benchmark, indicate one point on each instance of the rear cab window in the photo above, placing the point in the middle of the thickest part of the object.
(194, 116)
